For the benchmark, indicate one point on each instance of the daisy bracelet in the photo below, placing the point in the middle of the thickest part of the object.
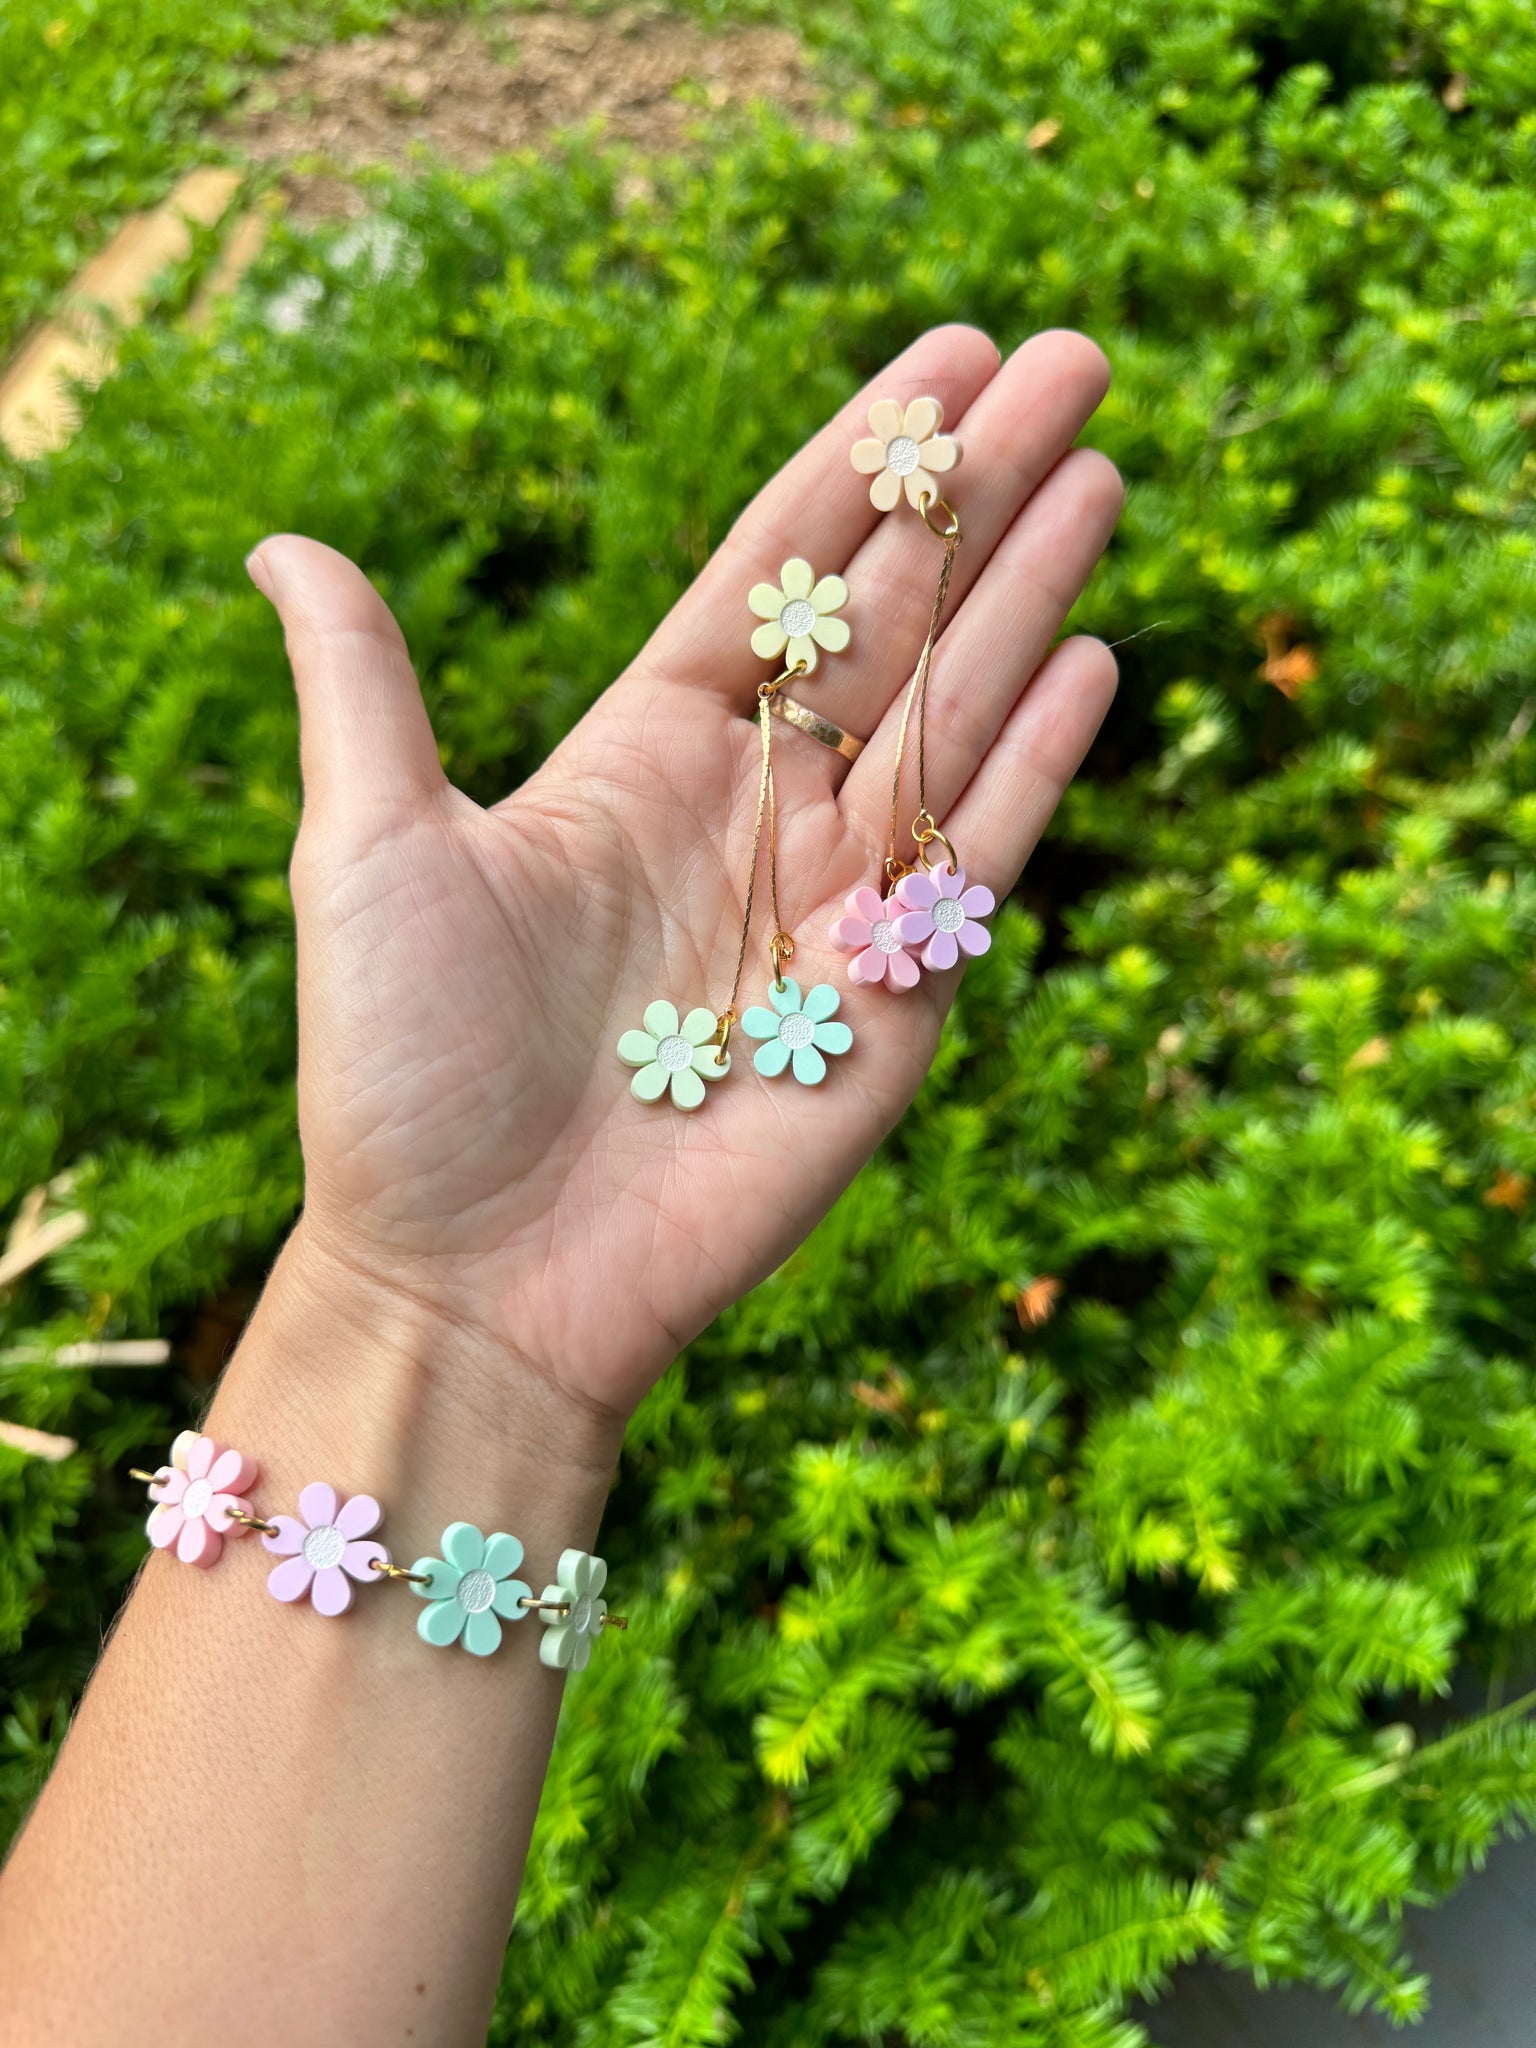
(201, 1499)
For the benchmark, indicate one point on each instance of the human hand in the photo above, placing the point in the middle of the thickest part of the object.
(469, 1136)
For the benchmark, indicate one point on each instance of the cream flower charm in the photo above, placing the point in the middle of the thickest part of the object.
(907, 449)
(683, 1054)
(797, 615)
(568, 1636)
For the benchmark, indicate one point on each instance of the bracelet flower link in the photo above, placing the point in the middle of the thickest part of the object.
(201, 1497)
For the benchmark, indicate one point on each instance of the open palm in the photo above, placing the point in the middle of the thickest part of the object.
(465, 974)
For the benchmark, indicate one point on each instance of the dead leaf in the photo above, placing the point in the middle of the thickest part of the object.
(1043, 134)
(1509, 1191)
(1037, 1303)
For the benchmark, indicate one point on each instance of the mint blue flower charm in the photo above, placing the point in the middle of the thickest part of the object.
(798, 1031)
(468, 1587)
(573, 1611)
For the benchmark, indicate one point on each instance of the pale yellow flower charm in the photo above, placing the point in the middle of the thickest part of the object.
(907, 450)
(797, 615)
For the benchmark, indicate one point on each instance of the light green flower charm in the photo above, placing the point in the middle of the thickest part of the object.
(568, 1637)
(797, 1031)
(684, 1054)
(468, 1587)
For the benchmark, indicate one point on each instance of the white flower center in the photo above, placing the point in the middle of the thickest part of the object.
(798, 617)
(947, 914)
(797, 1031)
(194, 1501)
(902, 455)
(323, 1547)
(674, 1054)
(581, 1614)
(882, 936)
(475, 1592)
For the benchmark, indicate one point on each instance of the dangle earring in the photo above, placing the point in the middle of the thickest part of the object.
(798, 620)
(925, 911)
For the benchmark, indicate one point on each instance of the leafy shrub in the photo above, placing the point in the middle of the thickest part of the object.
(1032, 1579)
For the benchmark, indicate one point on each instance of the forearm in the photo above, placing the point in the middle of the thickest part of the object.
(312, 1826)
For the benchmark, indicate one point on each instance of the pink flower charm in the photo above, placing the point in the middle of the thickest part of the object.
(203, 1481)
(938, 913)
(322, 1549)
(871, 934)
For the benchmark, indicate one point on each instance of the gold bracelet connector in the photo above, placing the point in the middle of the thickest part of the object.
(251, 1521)
(398, 1571)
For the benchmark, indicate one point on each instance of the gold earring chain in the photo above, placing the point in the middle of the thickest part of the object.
(924, 830)
(780, 945)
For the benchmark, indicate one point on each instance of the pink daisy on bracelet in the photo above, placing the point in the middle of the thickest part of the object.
(323, 1550)
(193, 1494)
(935, 910)
(870, 932)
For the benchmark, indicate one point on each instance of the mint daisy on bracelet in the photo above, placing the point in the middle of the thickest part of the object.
(470, 1590)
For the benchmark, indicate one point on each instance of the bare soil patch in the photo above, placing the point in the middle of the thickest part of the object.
(470, 91)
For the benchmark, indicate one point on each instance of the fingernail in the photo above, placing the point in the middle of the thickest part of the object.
(257, 570)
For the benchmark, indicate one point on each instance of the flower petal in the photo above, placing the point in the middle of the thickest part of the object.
(503, 1555)
(441, 1623)
(482, 1634)
(232, 1472)
(830, 595)
(216, 1514)
(766, 599)
(821, 1002)
(940, 952)
(660, 1020)
(442, 1578)
(180, 1446)
(885, 491)
(508, 1598)
(200, 1456)
(947, 884)
(810, 1067)
(923, 416)
(464, 1546)
(290, 1580)
(974, 939)
(699, 1026)
(363, 1561)
(574, 1571)
(978, 900)
(832, 634)
(901, 971)
(317, 1505)
(637, 1048)
(851, 933)
(867, 968)
(198, 1543)
(866, 903)
(709, 1064)
(867, 456)
(771, 1059)
(332, 1590)
(921, 485)
(597, 1578)
(797, 577)
(359, 1516)
(939, 453)
(170, 1488)
(785, 1000)
(917, 891)
(833, 1038)
(768, 642)
(913, 926)
(801, 653)
(650, 1084)
(165, 1524)
(760, 1023)
(289, 1540)
(687, 1089)
(885, 419)
(559, 1641)
(581, 1650)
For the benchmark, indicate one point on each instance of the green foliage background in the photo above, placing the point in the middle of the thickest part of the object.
(980, 1668)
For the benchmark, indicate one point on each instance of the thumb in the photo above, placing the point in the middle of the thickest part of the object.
(364, 734)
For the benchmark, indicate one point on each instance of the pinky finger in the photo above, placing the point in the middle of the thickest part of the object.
(1010, 799)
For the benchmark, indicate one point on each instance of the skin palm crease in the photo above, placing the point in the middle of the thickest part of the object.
(465, 975)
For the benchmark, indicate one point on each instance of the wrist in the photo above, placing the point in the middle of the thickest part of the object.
(347, 1377)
